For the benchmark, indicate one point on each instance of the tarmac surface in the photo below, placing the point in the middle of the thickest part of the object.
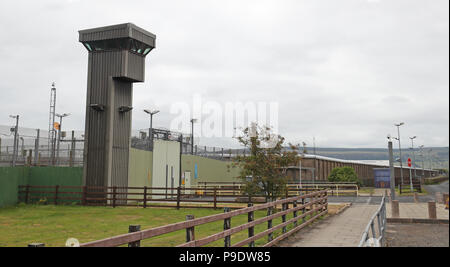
(417, 235)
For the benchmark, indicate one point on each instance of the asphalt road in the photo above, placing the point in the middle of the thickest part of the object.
(433, 189)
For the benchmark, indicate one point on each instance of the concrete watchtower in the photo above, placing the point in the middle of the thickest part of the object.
(116, 61)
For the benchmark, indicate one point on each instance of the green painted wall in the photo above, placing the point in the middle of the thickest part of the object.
(63, 176)
(10, 179)
(209, 170)
(140, 174)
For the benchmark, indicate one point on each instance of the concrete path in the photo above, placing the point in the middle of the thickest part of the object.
(342, 230)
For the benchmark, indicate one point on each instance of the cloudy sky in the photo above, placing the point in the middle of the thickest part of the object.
(342, 71)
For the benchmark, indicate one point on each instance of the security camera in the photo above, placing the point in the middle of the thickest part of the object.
(97, 107)
(124, 109)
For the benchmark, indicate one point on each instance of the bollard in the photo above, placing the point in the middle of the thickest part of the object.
(36, 245)
(416, 197)
(395, 209)
(133, 229)
(432, 210)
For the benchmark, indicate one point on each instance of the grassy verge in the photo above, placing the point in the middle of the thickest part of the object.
(366, 190)
(407, 192)
(53, 225)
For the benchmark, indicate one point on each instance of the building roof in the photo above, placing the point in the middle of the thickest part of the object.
(126, 30)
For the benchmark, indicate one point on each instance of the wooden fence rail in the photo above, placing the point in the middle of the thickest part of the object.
(206, 197)
(314, 205)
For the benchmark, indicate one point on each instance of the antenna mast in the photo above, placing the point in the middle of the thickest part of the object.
(51, 122)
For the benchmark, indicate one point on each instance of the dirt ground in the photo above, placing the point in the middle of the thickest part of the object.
(417, 235)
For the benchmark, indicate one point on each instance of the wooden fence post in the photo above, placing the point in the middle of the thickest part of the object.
(27, 193)
(215, 198)
(303, 210)
(295, 212)
(251, 230)
(269, 223)
(178, 197)
(132, 229)
(283, 217)
(56, 195)
(227, 226)
(190, 232)
(145, 197)
(114, 196)
(83, 200)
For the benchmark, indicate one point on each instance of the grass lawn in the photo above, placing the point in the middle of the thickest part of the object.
(53, 225)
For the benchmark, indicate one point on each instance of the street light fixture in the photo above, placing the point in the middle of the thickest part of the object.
(150, 130)
(192, 135)
(16, 143)
(60, 116)
(400, 149)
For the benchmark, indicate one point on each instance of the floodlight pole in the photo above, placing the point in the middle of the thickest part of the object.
(59, 135)
(412, 165)
(192, 135)
(392, 169)
(16, 143)
(400, 150)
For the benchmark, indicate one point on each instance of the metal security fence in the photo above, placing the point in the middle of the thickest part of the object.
(374, 234)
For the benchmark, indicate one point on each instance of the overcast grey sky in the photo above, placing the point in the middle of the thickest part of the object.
(343, 71)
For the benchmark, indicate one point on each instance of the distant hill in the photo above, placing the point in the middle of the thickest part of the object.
(438, 157)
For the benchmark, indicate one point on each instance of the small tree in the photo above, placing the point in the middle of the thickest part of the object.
(264, 170)
(344, 174)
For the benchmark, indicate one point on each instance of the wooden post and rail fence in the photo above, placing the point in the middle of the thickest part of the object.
(313, 206)
(193, 197)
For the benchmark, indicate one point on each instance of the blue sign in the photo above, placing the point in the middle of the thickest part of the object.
(195, 171)
(382, 178)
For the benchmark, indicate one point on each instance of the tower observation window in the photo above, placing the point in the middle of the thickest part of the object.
(118, 44)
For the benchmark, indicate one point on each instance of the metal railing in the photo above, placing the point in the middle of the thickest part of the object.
(377, 235)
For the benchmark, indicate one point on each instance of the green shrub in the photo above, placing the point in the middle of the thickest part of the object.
(344, 174)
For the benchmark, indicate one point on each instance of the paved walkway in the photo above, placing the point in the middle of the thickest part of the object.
(342, 230)
(417, 211)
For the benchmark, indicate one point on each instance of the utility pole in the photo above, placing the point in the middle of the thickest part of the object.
(314, 145)
(16, 142)
(414, 156)
(192, 135)
(392, 169)
(400, 150)
(36, 147)
(423, 163)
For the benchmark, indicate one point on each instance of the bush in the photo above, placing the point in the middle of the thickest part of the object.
(344, 174)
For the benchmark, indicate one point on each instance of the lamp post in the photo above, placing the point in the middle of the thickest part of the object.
(60, 116)
(421, 155)
(413, 163)
(150, 130)
(400, 150)
(192, 135)
(16, 128)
